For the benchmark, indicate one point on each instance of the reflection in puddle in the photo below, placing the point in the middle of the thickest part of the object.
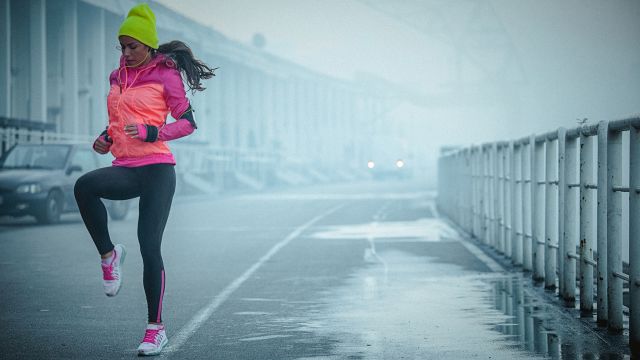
(403, 305)
(544, 328)
(412, 307)
(417, 309)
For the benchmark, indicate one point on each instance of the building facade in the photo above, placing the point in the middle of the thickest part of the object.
(262, 120)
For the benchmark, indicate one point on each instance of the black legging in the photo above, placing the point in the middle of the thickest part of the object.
(155, 185)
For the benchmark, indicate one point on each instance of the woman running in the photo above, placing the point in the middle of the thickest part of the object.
(145, 88)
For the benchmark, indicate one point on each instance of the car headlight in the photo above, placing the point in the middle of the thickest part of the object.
(399, 163)
(29, 189)
(371, 164)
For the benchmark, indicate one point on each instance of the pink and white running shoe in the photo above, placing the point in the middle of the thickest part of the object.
(154, 340)
(112, 273)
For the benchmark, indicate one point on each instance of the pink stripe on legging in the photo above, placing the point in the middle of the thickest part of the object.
(161, 296)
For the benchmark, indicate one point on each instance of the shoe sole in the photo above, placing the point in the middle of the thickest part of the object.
(122, 257)
(156, 352)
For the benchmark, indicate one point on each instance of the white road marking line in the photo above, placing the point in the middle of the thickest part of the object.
(205, 313)
(371, 251)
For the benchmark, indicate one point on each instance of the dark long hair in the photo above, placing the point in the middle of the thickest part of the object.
(192, 69)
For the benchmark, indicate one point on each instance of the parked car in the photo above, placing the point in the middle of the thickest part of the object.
(38, 180)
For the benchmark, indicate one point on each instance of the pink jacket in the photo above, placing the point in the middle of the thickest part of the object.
(145, 96)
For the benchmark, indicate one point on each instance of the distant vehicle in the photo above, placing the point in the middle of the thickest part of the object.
(389, 158)
(387, 168)
(38, 180)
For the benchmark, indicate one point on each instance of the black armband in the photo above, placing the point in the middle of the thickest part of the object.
(188, 115)
(152, 133)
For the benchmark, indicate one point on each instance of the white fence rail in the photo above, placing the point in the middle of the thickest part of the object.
(534, 200)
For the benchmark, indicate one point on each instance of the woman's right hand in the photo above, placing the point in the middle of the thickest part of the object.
(101, 145)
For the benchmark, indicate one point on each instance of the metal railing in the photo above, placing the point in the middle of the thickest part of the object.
(534, 200)
(13, 131)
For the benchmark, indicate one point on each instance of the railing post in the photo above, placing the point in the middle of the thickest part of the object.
(479, 192)
(602, 308)
(439, 179)
(570, 233)
(441, 189)
(538, 212)
(477, 161)
(452, 179)
(460, 194)
(551, 215)
(477, 165)
(529, 327)
(634, 240)
(491, 196)
(474, 193)
(460, 175)
(506, 244)
(510, 308)
(455, 180)
(450, 204)
(508, 200)
(614, 230)
(495, 228)
(468, 189)
(500, 195)
(527, 203)
(516, 205)
(586, 224)
(486, 185)
(562, 207)
(519, 302)
(504, 199)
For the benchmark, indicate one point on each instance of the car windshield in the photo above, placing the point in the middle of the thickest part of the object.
(37, 157)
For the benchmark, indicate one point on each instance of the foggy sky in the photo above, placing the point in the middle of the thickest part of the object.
(575, 59)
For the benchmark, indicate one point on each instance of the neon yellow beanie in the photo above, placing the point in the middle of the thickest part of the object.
(140, 24)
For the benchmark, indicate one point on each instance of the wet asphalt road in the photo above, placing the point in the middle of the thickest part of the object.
(366, 271)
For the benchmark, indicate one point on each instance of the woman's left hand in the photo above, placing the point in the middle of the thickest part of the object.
(131, 130)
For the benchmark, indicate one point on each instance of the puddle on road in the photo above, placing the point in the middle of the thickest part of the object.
(426, 229)
(544, 328)
(401, 304)
(403, 311)
(406, 306)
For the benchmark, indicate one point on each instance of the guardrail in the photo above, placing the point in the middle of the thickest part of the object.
(533, 200)
(13, 131)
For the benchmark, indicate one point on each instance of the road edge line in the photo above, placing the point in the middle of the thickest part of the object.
(205, 313)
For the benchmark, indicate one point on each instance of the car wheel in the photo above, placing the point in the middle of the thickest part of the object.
(118, 210)
(52, 209)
